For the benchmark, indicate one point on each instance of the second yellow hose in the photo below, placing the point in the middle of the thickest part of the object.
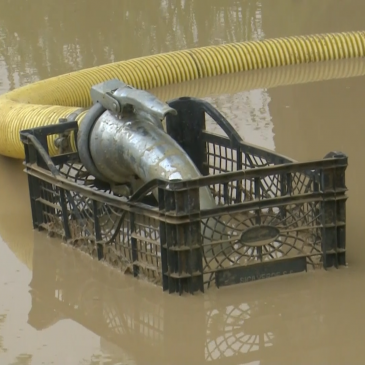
(47, 101)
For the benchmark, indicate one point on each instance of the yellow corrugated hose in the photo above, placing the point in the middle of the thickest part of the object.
(47, 101)
(263, 79)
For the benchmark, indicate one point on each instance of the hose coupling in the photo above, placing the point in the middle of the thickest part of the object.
(121, 99)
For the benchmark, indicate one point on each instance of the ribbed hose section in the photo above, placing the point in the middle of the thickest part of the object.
(265, 78)
(45, 102)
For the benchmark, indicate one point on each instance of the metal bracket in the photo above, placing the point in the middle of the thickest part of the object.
(62, 142)
(118, 97)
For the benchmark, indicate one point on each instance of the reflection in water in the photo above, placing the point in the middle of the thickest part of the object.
(23, 359)
(251, 110)
(281, 320)
(139, 325)
(57, 40)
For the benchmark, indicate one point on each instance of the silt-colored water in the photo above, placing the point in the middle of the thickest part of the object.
(57, 306)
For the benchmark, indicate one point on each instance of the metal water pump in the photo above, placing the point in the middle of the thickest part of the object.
(121, 141)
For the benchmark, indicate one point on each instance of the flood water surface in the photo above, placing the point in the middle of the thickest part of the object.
(58, 306)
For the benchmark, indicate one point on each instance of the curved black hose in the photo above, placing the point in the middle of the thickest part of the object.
(136, 197)
(83, 138)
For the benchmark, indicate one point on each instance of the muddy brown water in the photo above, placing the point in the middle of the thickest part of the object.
(57, 306)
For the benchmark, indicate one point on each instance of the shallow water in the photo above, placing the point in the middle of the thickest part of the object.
(57, 306)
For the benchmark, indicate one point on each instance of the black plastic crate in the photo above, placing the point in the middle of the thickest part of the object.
(278, 216)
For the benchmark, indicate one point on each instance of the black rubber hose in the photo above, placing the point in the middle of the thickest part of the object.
(83, 140)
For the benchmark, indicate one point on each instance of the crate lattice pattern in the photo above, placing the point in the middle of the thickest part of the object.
(301, 234)
(306, 206)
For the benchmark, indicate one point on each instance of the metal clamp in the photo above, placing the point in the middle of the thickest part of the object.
(62, 142)
(119, 98)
